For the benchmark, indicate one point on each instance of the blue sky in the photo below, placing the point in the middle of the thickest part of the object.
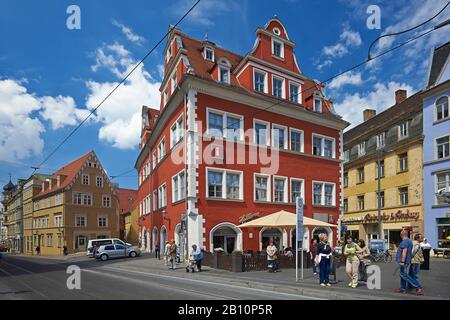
(51, 76)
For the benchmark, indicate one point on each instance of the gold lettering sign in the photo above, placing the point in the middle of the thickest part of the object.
(385, 217)
(247, 217)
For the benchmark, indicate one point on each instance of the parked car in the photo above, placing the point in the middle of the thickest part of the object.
(101, 242)
(114, 251)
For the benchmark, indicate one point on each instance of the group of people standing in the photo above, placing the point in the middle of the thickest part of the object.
(171, 256)
(321, 253)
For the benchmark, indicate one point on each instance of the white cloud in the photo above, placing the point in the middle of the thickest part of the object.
(205, 13)
(21, 118)
(120, 114)
(61, 111)
(351, 38)
(353, 78)
(380, 98)
(20, 132)
(128, 32)
(335, 51)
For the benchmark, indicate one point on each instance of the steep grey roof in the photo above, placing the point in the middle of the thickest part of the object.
(440, 56)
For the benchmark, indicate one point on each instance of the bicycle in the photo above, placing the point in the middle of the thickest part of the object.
(380, 256)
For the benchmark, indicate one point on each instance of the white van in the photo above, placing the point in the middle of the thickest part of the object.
(100, 242)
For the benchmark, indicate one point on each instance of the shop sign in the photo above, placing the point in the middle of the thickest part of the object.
(385, 217)
(247, 217)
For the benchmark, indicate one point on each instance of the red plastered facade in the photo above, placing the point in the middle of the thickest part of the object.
(207, 196)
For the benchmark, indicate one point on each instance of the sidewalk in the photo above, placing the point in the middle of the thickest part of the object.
(436, 281)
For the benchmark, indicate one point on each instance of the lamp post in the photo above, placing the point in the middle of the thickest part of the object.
(379, 154)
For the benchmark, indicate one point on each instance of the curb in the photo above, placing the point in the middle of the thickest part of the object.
(315, 293)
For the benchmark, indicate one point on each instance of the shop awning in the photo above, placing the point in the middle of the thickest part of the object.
(283, 219)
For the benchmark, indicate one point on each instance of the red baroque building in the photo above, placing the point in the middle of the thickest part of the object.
(236, 137)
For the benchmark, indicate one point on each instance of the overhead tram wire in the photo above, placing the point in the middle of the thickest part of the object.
(337, 75)
(115, 88)
(369, 57)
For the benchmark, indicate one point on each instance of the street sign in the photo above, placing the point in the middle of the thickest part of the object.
(299, 211)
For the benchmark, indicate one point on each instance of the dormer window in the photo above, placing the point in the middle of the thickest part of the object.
(209, 54)
(277, 48)
(278, 87)
(224, 71)
(317, 105)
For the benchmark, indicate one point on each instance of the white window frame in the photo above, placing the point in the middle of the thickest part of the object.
(173, 82)
(400, 136)
(283, 86)
(279, 126)
(165, 96)
(162, 195)
(269, 182)
(205, 55)
(58, 220)
(227, 69)
(446, 174)
(322, 200)
(155, 200)
(346, 155)
(383, 135)
(302, 191)
(85, 175)
(362, 149)
(177, 135)
(436, 111)
(176, 194)
(154, 159)
(322, 147)
(85, 220)
(266, 80)
(106, 197)
(102, 216)
(161, 149)
(436, 147)
(316, 98)
(299, 95)
(302, 140)
(225, 116)
(286, 182)
(268, 138)
(281, 43)
(96, 181)
(224, 183)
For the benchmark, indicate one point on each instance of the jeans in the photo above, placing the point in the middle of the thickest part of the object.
(414, 272)
(405, 279)
(314, 268)
(157, 254)
(324, 273)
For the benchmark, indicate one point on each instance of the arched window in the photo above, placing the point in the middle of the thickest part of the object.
(442, 108)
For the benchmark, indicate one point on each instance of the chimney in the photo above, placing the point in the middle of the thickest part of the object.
(368, 114)
(400, 96)
(58, 181)
(49, 181)
(43, 186)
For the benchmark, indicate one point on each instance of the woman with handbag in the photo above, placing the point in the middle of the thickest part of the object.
(272, 257)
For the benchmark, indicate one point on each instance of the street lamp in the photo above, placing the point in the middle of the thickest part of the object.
(379, 154)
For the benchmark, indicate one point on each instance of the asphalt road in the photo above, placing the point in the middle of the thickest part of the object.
(40, 278)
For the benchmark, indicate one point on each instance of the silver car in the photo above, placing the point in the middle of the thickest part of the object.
(113, 251)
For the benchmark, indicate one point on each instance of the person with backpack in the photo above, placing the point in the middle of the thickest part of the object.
(403, 259)
(416, 259)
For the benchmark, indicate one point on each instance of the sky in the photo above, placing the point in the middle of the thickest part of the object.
(51, 77)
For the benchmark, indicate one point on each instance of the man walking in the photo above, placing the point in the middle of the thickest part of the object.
(172, 255)
(403, 259)
(157, 252)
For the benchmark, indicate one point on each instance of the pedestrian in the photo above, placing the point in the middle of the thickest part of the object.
(157, 252)
(312, 255)
(363, 260)
(65, 250)
(172, 255)
(166, 253)
(426, 248)
(272, 262)
(288, 252)
(38, 250)
(323, 259)
(403, 259)
(416, 259)
(351, 251)
(195, 259)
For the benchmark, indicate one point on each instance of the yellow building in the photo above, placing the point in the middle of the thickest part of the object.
(131, 226)
(31, 188)
(76, 204)
(395, 137)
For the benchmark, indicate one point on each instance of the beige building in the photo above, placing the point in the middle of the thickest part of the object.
(13, 215)
(395, 137)
(77, 203)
